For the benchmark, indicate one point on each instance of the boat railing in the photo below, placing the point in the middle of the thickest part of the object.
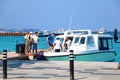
(77, 32)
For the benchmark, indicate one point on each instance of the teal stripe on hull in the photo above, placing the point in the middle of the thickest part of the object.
(87, 57)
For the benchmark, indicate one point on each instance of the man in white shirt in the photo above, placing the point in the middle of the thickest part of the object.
(35, 40)
(57, 45)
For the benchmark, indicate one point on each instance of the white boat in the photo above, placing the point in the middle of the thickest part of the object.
(86, 47)
(44, 33)
(102, 30)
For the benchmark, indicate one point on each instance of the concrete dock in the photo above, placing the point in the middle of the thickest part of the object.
(59, 70)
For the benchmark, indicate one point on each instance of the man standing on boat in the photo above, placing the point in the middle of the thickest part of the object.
(57, 45)
(50, 40)
(35, 40)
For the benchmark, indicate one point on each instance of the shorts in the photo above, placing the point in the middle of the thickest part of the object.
(57, 50)
(51, 45)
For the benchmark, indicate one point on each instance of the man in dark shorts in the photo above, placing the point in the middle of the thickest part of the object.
(50, 41)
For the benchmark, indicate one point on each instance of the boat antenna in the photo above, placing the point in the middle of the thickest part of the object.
(70, 21)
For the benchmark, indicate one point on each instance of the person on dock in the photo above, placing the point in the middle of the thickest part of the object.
(57, 45)
(35, 40)
(28, 42)
(31, 44)
(50, 40)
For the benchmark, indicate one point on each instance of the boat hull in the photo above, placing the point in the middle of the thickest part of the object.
(99, 56)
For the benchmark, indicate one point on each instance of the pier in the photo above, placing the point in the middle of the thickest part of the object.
(59, 70)
(13, 33)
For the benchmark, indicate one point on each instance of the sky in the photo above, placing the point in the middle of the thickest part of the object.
(60, 14)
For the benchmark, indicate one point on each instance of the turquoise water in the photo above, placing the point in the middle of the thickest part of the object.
(9, 43)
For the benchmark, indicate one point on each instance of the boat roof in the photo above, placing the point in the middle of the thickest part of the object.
(71, 32)
(83, 33)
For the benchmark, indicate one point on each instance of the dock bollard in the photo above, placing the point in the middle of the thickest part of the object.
(71, 56)
(4, 64)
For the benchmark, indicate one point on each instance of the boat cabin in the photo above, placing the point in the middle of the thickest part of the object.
(84, 40)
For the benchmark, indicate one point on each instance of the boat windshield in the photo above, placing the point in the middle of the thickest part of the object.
(90, 42)
(61, 39)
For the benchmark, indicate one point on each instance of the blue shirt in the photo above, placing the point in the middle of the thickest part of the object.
(50, 38)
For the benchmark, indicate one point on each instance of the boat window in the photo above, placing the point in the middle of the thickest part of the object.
(76, 40)
(61, 39)
(82, 32)
(103, 44)
(77, 32)
(90, 41)
(110, 43)
(82, 41)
